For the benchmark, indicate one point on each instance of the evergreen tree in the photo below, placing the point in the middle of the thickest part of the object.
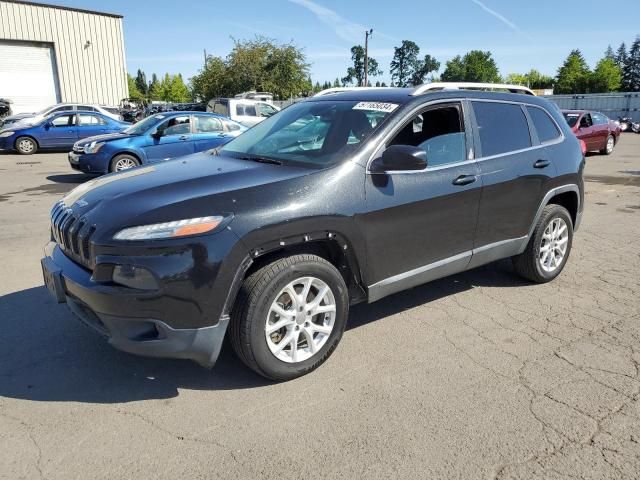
(610, 54)
(573, 76)
(336, 82)
(631, 69)
(621, 55)
(141, 82)
(606, 77)
(154, 86)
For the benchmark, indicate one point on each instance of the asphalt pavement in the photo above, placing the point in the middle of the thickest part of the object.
(480, 375)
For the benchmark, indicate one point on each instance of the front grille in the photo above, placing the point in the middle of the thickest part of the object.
(73, 233)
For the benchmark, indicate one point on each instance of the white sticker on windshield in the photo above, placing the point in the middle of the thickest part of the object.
(376, 106)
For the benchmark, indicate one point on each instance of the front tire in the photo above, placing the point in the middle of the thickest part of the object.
(548, 248)
(609, 146)
(289, 316)
(26, 145)
(123, 162)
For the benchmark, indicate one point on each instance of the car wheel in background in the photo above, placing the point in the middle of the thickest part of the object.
(289, 316)
(609, 146)
(26, 145)
(548, 248)
(123, 162)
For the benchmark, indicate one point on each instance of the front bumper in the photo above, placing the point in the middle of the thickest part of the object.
(89, 163)
(102, 307)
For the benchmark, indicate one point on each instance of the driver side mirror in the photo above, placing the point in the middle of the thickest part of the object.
(400, 158)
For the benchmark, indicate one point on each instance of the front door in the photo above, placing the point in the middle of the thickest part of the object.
(173, 139)
(421, 225)
(59, 132)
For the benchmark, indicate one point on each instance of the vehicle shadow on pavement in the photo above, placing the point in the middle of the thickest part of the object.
(74, 178)
(46, 354)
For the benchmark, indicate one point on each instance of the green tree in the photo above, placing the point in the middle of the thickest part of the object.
(621, 55)
(423, 68)
(539, 81)
(631, 69)
(573, 76)
(141, 82)
(475, 66)
(178, 90)
(517, 79)
(356, 72)
(403, 64)
(154, 86)
(336, 83)
(133, 88)
(211, 81)
(606, 77)
(609, 53)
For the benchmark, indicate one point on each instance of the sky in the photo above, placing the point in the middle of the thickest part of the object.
(168, 36)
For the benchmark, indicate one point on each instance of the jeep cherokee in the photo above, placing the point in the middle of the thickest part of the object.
(335, 200)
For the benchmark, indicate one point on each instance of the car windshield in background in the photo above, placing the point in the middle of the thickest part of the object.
(143, 125)
(571, 118)
(314, 134)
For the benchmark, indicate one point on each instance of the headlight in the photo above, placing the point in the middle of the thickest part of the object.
(178, 228)
(93, 147)
(6, 134)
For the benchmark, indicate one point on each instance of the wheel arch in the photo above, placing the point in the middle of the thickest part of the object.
(567, 196)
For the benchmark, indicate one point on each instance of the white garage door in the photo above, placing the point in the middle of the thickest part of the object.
(27, 76)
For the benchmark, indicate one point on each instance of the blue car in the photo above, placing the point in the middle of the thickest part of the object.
(58, 131)
(156, 138)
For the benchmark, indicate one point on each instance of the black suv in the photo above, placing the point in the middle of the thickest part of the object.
(335, 200)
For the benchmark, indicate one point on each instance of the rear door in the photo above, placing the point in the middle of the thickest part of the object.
(600, 130)
(514, 167)
(59, 132)
(208, 132)
(90, 125)
(176, 140)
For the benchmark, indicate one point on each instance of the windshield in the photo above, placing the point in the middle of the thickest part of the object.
(314, 134)
(142, 126)
(571, 118)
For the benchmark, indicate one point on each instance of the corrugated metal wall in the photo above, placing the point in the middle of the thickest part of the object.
(613, 105)
(94, 73)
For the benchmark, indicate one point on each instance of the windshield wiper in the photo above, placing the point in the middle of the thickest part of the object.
(258, 158)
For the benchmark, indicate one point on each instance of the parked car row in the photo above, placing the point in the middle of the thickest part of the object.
(35, 117)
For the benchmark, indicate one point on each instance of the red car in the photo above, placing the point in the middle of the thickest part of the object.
(594, 129)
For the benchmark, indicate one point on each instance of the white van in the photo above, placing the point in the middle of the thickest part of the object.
(243, 110)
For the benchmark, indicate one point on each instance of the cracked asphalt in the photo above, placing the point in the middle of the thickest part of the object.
(479, 375)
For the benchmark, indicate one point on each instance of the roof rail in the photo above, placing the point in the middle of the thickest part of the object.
(428, 87)
(332, 90)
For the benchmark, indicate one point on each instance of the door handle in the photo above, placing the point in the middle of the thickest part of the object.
(184, 137)
(541, 164)
(465, 179)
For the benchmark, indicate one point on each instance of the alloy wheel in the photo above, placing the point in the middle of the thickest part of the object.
(124, 164)
(553, 245)
(25, 145)
(610, 144)
(300, 319)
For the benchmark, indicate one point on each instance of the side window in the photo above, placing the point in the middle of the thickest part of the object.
(266, 110)
(205, 124)
(247, 110)
(63, 121)
(502, 127)
(232, 127)
(86, 108)
(599, 119)
(585, 121)
(85, 119)
(175, 126)
(221, 108)
(439, 131)
(61, 109)
(545, 127)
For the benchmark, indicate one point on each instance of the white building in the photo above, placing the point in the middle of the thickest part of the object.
(51, 54)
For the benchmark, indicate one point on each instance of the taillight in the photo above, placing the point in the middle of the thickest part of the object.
(583, 147)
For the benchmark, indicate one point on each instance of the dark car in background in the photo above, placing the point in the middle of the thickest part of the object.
(157, 138)
(270, 240)
(595, 129)
(57, 131)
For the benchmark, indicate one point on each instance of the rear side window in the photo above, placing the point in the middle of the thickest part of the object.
(246, 110)
(502, 127)
(206, 124)
(546, 128)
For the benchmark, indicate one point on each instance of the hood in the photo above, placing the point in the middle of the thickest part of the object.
(19, 116)
(193, 186)
(106, 137)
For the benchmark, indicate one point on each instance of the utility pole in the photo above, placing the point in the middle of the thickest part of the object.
(205, 58)
(367, 34)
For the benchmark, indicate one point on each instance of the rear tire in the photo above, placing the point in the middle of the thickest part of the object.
(26, 145)
(609, 146)
(305, 339)
(548, 248)
(123, 161)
